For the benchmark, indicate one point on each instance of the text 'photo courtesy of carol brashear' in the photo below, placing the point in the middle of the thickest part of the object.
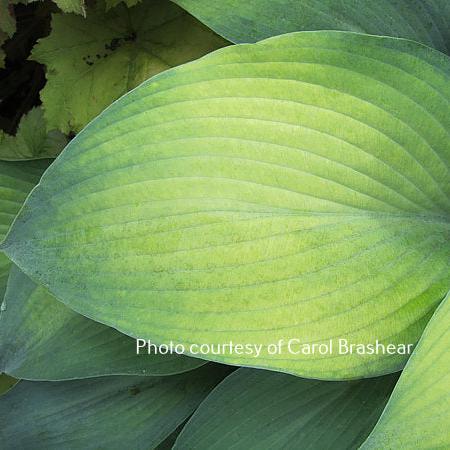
(283, 346)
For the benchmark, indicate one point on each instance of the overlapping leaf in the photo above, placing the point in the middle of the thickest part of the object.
(297, 188)
(426, 21)
(32, 141)
(418, 413)
(94, 60)
(111, 412)
(16, 181)
(257, 409)
(41, 339)
(6, 383)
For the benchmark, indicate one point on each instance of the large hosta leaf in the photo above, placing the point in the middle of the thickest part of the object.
(258, 409)
(426, 21)
(101, 413)
(293, 189)
(94, 60)
(418, 413)
(16, 181)
(40, 338)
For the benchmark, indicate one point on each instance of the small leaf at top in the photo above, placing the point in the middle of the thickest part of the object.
(92, 61)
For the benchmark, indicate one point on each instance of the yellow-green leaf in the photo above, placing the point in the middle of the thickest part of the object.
(297, 188)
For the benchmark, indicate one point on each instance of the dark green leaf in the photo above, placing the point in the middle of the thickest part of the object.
(257, 409)
(101, 413)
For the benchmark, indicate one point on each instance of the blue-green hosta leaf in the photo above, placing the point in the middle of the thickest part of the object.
(418, 413)
(426, 21)
(42, 339)
(101, 413)
(259, 409)
(16, 181)
(297, 188)
(6, 383)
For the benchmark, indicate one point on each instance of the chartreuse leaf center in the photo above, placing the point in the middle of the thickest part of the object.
(290, 191)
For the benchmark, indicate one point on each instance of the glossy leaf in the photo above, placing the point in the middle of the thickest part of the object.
(258, 409)
(109, 413)
(41, 339)
(94, 60)
(418, 413)
(297, 188)
(16, 181)
(32, 141)
(426, 21)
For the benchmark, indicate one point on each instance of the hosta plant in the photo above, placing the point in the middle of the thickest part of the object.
(249, 249)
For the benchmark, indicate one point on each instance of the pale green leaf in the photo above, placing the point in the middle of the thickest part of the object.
(101, 413)
(297, 188)
(6, 383)
(93, 61)
(41, 339)
(259, 409)
(16, 181)
(72, 6)
(32, 141)
(418, 413)
(426, 21)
